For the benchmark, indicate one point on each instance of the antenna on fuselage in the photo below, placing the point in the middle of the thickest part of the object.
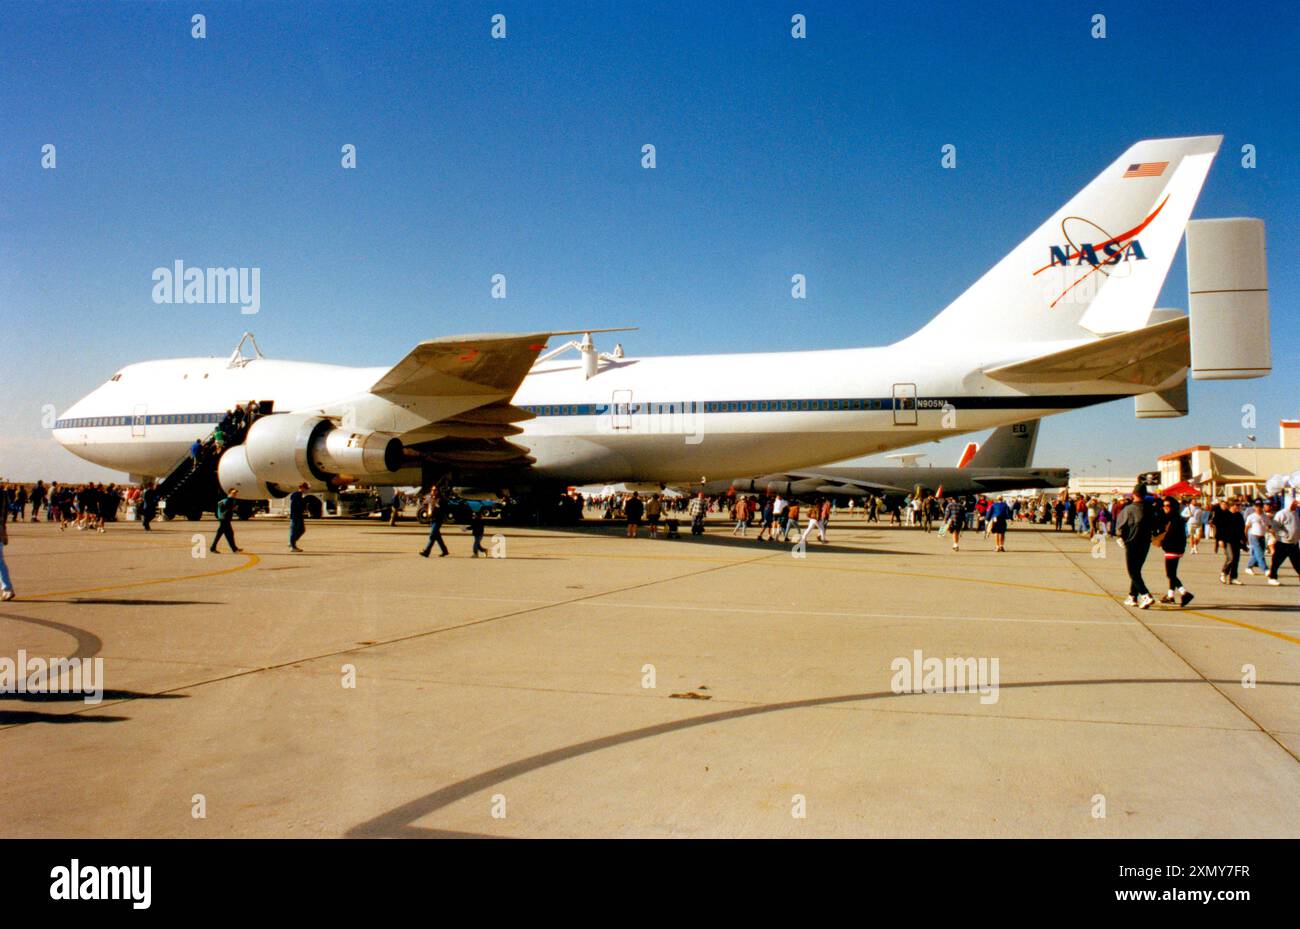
(238, 359)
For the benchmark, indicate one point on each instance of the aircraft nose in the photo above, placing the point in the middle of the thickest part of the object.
(63, 429)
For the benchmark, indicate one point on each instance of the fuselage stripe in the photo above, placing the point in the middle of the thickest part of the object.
(654, 407)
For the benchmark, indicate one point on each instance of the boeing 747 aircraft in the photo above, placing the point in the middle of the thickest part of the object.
(1066, 320)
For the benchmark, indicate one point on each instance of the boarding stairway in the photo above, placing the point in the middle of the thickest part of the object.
(191, 488)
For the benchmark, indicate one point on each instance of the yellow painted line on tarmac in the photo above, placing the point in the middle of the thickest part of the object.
(1252, 628)
(251, 562)
(981, 580)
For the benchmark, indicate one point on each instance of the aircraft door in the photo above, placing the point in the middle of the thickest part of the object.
(621, 410)
(138, 419)
(904, 404)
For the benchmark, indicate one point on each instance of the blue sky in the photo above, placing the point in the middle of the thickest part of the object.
(522, 156)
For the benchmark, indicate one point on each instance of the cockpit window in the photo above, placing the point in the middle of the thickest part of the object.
(116, 377)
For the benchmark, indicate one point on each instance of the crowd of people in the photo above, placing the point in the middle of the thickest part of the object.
(1267, 531)
(77, 506)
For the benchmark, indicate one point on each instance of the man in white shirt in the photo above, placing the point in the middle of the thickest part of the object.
(1256, 529)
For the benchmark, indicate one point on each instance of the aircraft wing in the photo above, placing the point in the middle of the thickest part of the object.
(456, 391)
(1147, 356)
(489, 366)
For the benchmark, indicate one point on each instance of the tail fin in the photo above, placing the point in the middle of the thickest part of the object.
(967, 454)
(1097, 265)
(1008, 447)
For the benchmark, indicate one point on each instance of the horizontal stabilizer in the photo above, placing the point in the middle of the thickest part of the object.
(1145, 357)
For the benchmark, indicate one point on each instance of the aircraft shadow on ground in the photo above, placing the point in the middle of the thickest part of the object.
(114, 601)
(22, 718)
(73, 697)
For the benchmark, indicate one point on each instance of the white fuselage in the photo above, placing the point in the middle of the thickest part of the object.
(671, 419)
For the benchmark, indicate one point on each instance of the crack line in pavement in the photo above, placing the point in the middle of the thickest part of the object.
(1173, 651)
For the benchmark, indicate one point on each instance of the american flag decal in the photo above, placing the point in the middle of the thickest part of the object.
(1147, 169)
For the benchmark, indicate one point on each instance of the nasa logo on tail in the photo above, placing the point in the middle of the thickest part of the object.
(1109, 253)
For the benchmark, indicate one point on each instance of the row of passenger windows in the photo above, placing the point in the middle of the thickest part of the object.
(721, 406)
(174, 419)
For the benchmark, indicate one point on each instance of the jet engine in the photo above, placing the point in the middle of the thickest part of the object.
(283, 450)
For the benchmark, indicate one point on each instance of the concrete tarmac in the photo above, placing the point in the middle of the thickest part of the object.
(588, 684)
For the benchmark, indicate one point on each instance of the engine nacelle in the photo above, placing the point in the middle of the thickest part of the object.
(234, 473)
(284, 450)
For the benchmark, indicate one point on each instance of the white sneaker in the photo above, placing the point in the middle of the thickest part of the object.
(1235, 581)
(1130, 602)
(1145, 602)
(1250, 571)
(8, 594)
(1223, 578)
(1274, 582)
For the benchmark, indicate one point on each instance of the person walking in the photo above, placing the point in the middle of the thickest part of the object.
(1286, 526)
(297, 517)
(1257, 522)
(738, 513)
(1203, 515)
(148, 505)
(225, 513)
(1174, 542)
(6, 584)
(790, 520)
(814, 521)
(38, 499)
(699, 506)
(998, 515)
(437, 513)
(766, 520)
(954, 516)
(1230, 532)
(1134, 531)
(475, 527)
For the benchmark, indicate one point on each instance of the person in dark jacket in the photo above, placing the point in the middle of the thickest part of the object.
(225, 513)
(437, 513)
(476, 527)
(297, 517)
(633, 509)
(148, 505)
(1230, 531)
(1134, 530)
(1174, 542)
